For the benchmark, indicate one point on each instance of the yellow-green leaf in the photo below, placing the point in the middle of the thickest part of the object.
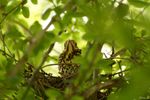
(46, 14)
(34, 1)
(25, 12)
(139, 3)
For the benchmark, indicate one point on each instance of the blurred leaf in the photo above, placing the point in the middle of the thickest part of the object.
(25, 12)
(106, 65)
(30, 95)
(96, 22)
(35, 27)
(24, 2)
(139, 3)
(20, 44)
(122, 10)
(12, 4)
(17, 11)
(58, 10)
(14, 33)
(34, 1)
(54, 94)
(139, 82)
(45, 42)
(77, 98)
(46, 14)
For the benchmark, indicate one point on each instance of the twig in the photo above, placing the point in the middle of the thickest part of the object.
(120, 72)
(36, 71)
(2, 37)
(34, 42)
(6, 54)
(141, 12)
(119, 64)
(49, 65)
(89, 46)
(98, 86)
(106, 75)
(23, 27)
(9, 12)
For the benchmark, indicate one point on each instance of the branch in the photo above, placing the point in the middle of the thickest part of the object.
(37, 70)
(108, 75)
(9, 12)
(6, 54)
(23, 27)
(34, 42)
(49, 65)
(2, 37)
(99, 86)
(141, 12)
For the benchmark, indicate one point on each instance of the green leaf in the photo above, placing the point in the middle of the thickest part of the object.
(54, 94)
(17, 11)
(25, 12)
(14, 33)
(77, 98)
(122, 10)
(23, 2)
(20, 45)
(46, 14)
(35, 27)
(34, 1)
(44, 43)
(3, 2)
(106, 65)
(139, 3)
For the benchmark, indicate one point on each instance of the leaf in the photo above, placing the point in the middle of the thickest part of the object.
(139, 3)
(77, 98)
(25, 12)
(20, 44)
(122, 10)
(3, 2)
(54, 94)
(46, 14)
(17, 11)
(34, 1)
(35, 27)
(45, 42)
(14, 33)
(106, 65)
(23, 2)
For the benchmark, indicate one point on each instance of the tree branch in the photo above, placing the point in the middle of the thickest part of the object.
(9, 12)
(99, 86)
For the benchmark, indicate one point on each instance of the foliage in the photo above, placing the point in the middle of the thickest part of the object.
(123, 74)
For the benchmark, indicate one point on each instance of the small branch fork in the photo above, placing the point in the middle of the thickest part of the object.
(10, 11)
(111, 83)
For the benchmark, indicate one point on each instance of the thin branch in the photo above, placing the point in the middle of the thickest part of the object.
(9, 12)
(107, 75)
(10, 56)
(119, 64)
(98, 86)
(23, 27)
(34, 42)
(2, 37)
(37, 70)
(56, 64)
(89, 46)
(120, 72)
(49, 65)
(141, 12)
(6, 54)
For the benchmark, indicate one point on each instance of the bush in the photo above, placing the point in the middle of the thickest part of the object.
(106, 52)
